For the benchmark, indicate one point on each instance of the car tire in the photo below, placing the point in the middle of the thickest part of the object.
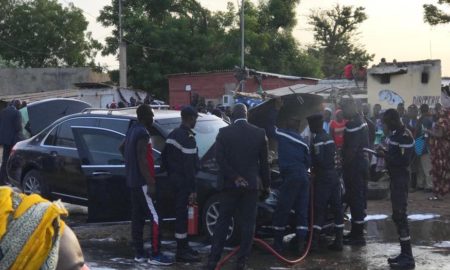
(210, 216)
(33, 183)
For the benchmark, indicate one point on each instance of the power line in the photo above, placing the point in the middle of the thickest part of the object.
(143, 46)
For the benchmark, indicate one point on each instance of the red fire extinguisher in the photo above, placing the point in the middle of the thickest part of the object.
(193, 219)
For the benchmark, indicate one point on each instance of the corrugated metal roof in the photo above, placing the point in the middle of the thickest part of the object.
(299, 89)
(287, 77)
(281, 76)
(31, 97)
(90, 85)
(319, 89)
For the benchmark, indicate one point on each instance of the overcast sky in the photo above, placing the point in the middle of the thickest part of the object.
(394, 29)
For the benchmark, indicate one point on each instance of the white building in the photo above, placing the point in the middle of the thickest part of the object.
(100, 95)
(417, 82)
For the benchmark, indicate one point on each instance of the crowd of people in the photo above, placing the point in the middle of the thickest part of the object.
(429, 128)
(339, 144)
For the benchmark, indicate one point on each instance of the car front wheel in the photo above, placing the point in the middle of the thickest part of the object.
(210, 217)
(33, 183)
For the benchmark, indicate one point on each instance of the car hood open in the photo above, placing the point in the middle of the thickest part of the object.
(297, 102)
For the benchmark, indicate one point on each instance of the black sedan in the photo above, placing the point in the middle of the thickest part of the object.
(76, 159)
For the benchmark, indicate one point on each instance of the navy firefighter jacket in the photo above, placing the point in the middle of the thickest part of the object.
(356, 138)
(400, 151)
(180, 156)
(293, 151)
(323, 152)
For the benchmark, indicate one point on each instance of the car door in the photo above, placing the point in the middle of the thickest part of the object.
(62, 164)
(104, 168)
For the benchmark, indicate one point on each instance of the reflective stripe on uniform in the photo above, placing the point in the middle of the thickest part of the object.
(324, 143)
(356, 128)
(317, 227)
(180, 235)
(402, 145)
(302, 228)
(276, 228)
(407, 238)
(188, 151)
(339, 226)
(358, 222)
(291, 138)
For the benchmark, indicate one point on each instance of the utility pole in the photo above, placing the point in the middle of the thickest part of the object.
(243, 47)
(122, 53)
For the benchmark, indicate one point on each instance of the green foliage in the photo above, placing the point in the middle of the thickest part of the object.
(434, 15)
(334, 32)
(177, 36)
(41, 33)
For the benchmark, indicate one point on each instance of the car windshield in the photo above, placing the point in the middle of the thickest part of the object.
(205, 130)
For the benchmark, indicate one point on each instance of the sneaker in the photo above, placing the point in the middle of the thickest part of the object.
(140, 259)
(160, 259)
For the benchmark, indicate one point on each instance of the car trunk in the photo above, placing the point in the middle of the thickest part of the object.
(38, 115)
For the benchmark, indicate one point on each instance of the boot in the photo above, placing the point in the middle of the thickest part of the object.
(210, 265)
(357, 236)
(241, 264)
(315, 246)
(350, 234)
(337, 244)
(278, 241)
(405, 260)
(405, 248)
(185, 252)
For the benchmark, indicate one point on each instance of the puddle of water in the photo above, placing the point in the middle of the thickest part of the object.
(375, 217)
(443, 244)
(412, 217)
(419, 217)
(430, 238)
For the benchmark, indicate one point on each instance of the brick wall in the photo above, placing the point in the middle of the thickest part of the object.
(214, 85)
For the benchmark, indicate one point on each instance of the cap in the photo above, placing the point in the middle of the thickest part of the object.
(189, 111)
(328, 109)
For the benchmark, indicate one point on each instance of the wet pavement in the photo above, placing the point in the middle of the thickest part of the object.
(106, 247)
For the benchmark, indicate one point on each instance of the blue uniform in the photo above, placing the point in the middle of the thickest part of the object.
(355, 169)
(294, 161)
(327, 188)
(180, 158)
(398, 159)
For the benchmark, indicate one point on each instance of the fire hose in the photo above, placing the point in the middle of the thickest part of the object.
(266, 246)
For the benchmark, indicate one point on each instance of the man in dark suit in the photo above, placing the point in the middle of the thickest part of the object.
(10, 131)
(242, 155)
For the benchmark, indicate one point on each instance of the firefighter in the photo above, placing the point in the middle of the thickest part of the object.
(294, 161)
(180, 158)
(355, 171)
(327, 187)
(398, 158)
